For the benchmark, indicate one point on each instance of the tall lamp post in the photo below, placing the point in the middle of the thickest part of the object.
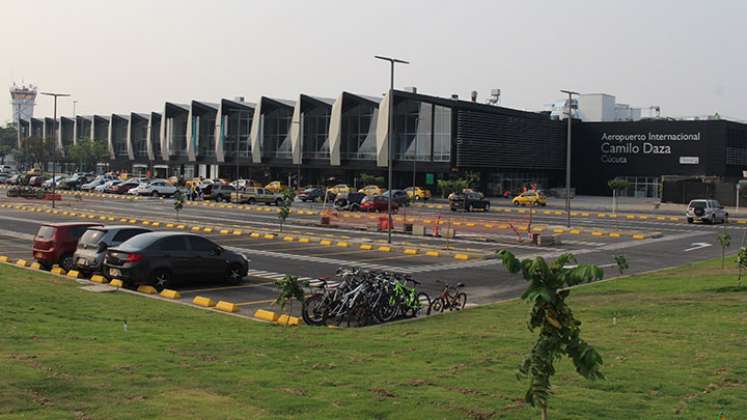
(568, 157)
(54, 138)
(391, 61)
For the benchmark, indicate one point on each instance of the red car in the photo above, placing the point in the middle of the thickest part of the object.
(123, 187)
(55, 243)
(377, 203)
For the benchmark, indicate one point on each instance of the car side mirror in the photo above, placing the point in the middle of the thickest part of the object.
(103, 246)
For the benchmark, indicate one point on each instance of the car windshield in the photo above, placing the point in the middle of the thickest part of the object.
(698, 204)
(91, 237)
(46, 232)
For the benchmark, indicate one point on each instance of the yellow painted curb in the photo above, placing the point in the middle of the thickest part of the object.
(384, 248)
(433, 254)
(597, 233)
(410, 251)
(266, 315)
(575, 231)
(169, 225)
(558, 230)
(325, 242)
(195, 229)
(462, 257)
(97, 278)
(203, 301)
(148, 290)
(288, 320)
(224, 232)
(73, 273)
(615, 235)
(58, 270)
(288, 238)
(116, 283)
(207, 230)
(170, 294)
(21, 262)
(269, 236)
(304, 240)
(639, 236)
(343, 244)
(146, 222)
(226, 306)
(36, 266)
(3, 258)
(366, 247)
(255, 235)
(180, 226)
(237, 232)
(132, 221)
(156, 224)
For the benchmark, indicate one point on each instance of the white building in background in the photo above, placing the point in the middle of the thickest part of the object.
(596, 107)
(23, 99)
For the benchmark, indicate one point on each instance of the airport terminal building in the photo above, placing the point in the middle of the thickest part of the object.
(322, 140)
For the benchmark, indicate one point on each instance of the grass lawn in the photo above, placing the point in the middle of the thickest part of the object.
(678, 349)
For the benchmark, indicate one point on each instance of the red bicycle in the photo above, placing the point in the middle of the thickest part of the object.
(450, 298)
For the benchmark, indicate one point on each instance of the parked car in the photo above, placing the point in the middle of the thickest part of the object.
(533, 198)
(99, 180)
(377, 203)
(56, 180)
(155, 188)
(125, 186)
(221, 192)
(310, 194)
(332, 192)
(75, 181)
(349, 201)
(92, 246)
(14, 180)
(109, 186)
(164, 258)
(706, 211)
(55, 243)
(418, 194)
(275, 186)
(37, 181)
(468, 201)
(371, 190)
(399, 197)
(252, 195)
(4, 169)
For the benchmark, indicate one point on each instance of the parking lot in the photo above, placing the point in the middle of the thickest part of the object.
(310, 250)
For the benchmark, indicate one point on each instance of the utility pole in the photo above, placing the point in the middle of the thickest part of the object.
(391, 61)
(54, 138)
(568, 157)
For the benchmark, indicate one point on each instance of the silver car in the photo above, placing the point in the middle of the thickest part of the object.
(706, 211)
(92, 246)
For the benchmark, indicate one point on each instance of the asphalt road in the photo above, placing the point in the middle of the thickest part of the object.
(478, 235)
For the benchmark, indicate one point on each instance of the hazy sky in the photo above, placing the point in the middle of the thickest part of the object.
(120, 56)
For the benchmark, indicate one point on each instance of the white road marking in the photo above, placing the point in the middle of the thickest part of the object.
(697, 245)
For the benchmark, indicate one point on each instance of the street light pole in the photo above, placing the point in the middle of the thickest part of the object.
(54, 138)
(391, 61)
(568, 158)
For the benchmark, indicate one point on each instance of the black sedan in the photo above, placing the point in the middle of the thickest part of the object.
(398, 196)
(468, 201)
(165, 259)
(311, 194)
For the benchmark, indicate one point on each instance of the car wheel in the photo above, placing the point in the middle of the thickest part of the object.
(516, 203)
(162, 279)
(154, 193)
(251, 201)
(690, 220)
(487, 207)
(234, 273)
(355, 207)
(713, 219)
(278, 202)
(67, 262)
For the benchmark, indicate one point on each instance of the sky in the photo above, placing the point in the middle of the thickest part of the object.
(131, 56)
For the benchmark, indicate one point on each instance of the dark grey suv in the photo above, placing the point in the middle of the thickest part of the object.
(164, 259)
(92, 246)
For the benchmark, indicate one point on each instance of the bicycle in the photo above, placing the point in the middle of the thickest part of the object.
(450, 298)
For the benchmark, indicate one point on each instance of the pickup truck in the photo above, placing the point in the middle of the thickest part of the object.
(253, 195)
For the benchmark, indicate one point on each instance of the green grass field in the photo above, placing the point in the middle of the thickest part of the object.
(678, 349)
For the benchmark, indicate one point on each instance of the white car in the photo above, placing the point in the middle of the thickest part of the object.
(56, 180)
(706, 211)
(155, 188)
(100, 180)
(103, 187)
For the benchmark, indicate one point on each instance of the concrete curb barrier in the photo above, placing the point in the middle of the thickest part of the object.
(98, 278)
(291, 321)
(203, 301)
(35, 266)
(226, 306)
(4, 258)
(116, 283)
(170, 294)
(266, 315)
(21, 262)
(58, 270)
(148, 290)
(73, 274)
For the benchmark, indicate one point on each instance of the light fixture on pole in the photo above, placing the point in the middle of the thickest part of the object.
(54, 138)
(391, 61)
(568, 157)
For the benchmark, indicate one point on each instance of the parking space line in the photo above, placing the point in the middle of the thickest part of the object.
(256, 302)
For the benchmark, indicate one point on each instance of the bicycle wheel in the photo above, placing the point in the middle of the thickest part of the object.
(458, 302)
(314, 311)
(422, 305)
(437, 305)
(385, 311)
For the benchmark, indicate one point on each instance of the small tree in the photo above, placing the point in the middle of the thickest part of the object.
(617, 185)
(178, 202)
(741, 263)
(284, 202)
(560, 332)
(290, 288)
(724, 239)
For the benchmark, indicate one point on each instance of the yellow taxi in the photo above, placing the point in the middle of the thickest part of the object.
(338, 189)
(371, 190)
(533, 198)
(417, 193)
(275, 186)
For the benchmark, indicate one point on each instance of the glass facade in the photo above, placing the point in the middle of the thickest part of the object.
(229, 134)
(315, 139)
(204, 126)
(441, 134)
(176, 133)
(275, 133)
(359, 132)
(642, 187)
(413, 129)
(119, 137)
(140, 138)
